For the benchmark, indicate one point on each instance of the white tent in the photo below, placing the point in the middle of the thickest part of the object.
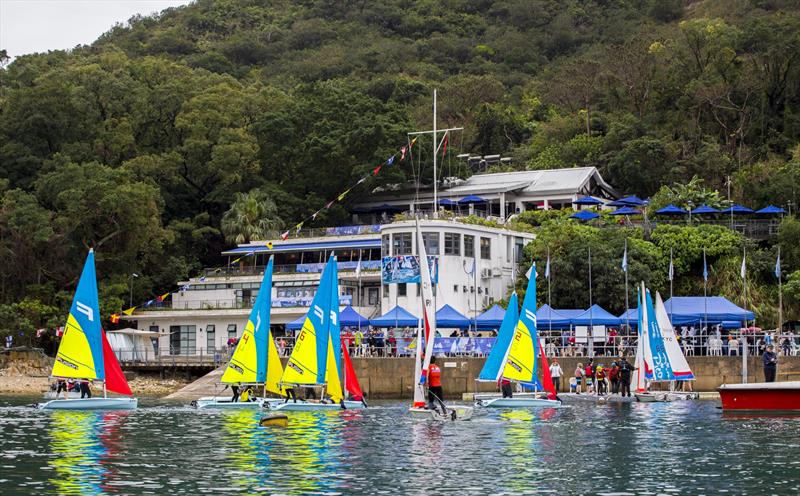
(132, 344)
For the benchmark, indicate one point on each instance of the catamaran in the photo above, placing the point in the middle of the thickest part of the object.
(658, 355)
(316, 360)
(255, 361)
(514, 355)
(422, 365)
(84, 352)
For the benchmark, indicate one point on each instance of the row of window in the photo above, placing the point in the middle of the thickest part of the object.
(401, 244)
(402, 289)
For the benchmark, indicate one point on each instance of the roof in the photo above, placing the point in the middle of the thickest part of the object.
(490, 319)
(696, 310)
(596, 315)
(547, 316)
(397, 316)
(348, 317)
(308, 245)
(450, 318)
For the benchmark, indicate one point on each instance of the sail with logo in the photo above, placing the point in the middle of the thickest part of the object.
(84, 353)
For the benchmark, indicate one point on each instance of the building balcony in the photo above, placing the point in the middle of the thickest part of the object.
(302, 268)
(237, 303)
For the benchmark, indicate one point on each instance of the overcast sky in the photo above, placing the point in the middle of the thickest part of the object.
(29, 26)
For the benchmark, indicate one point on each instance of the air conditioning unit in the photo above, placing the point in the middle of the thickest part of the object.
(486, 273)
(497, 272)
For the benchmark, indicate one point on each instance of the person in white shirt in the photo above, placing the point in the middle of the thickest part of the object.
(556, 373)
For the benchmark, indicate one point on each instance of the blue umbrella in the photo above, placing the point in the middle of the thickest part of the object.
(584, 215)
(472, 199)
(628, 201)
(587, 200)
(705, 209)
(771, 210)
(737, 209)
(671, 210)
(448, 202)
(626, 211)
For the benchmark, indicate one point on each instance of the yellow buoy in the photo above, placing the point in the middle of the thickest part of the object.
(275, 420)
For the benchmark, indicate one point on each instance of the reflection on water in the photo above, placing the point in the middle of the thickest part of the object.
(659, 448)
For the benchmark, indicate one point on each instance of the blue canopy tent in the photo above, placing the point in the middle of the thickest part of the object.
(771, 210)
(296, 324)
(584, 215)
(490, 319)
(704, 209)
(628, 201)
(587, 200)
(447, 202)
(738, 210)
(549, 318)
(632, 316)
(472, 199)
(626, 211)
(697, 309)
(396, 317)
(596, 315)
(448, 317)
(671, 210)
(350, 318)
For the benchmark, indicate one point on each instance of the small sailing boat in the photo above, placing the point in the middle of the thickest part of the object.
(316, 360)
(84, 352)
(422, 365)
(255, 361)
(514, 355)
(659, 357)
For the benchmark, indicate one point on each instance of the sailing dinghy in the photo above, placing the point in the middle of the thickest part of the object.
(316, 360)
(255, 361)
(514, 355)
(84, 352)
(422, 365)
(661, 357)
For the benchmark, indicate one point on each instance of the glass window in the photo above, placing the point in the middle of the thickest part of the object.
(384, 246)
(486, 248)
(372, 296)
(401, 244)
(211, 342)
(431, 241)
(469, 246)
(401, 289)
(385, 290)
(452, 244)
(231, 331)
(182, 339)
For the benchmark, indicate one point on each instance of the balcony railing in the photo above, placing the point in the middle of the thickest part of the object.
(239, 303)
(303, 268)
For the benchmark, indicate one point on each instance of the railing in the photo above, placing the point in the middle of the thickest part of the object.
(302, 268)
(321, 232)
(174, 357)
(239, 303)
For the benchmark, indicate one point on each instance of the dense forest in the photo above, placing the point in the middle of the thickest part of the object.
(149, 143)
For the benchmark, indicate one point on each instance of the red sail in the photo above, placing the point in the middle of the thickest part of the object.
(115, 379)
(350, 379)
(547, 379)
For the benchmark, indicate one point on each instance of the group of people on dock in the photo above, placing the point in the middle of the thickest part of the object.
(596, 378)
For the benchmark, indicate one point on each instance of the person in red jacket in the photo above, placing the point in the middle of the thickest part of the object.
(435, 391)
(505, 387)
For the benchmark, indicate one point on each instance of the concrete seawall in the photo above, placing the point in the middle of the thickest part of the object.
(393, 378)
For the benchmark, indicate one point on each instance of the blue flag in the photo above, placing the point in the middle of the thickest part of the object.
(778, 266)
(547, 268)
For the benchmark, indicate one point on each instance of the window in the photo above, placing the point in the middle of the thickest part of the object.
(455, 288)
(182, 339)
(486, 248)
(401, 289)
(401, 244)
(452, 244)
(231, 331)
(469, 246)
(211, 334)
(384, 246)
(431, 241)
(385, 290)
(372, 296)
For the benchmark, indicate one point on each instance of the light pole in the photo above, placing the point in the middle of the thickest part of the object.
(130, 302)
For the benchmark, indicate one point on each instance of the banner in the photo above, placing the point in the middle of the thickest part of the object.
(300, 301)
(405, 269)
(319, 267)
(351, 230)
(449, 346)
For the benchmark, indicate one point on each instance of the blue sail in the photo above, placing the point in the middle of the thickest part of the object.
(522, 359)
(261, 317)
(494, 362)
(661, 367)
(334, 333)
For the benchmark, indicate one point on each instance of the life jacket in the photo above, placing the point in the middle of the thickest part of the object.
(601, 374)
(434, 376)
(614, 373)
(588, 371)
(245, 396)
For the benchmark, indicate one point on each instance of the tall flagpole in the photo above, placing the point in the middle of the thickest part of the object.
(625, 268)
(549, 283)
(780, 292)
(744, 291)
(671, 276)
(705, 289)
(435, 152)
(591, 320)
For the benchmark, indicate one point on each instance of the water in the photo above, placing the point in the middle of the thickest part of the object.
(659, 448)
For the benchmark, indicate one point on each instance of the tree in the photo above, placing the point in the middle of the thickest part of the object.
(251, 217)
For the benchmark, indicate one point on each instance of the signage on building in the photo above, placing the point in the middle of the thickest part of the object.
(405, 269)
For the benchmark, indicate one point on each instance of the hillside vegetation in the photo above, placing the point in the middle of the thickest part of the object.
(138, 144)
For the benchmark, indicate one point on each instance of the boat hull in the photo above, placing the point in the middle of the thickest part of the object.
(90, 404)
(225, 403)
(519, 403)
(780, 397)
(305, 406)
(491, 396)
(72, 395)
(454, 412)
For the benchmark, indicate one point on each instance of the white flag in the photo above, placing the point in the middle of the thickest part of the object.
(671, 274)
(358, 267)
(530, 271)
(743, 272)
(547, 268)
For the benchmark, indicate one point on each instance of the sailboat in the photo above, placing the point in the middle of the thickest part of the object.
(658, 357)
(255, 361)
(84, 352)
(316, 360)
(514, 355)
(422, 365)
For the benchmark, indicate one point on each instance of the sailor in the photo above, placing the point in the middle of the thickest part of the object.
(600, 376)
(62, 386)
(625, 371)
(505, 387)
(85, 391)
(556, 372)
(435, 392)
(770, 359)
(235, 389)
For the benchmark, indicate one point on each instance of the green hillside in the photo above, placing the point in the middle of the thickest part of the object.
(138, 144)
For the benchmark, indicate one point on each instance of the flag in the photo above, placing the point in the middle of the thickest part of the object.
(625, 257)
(390, 160)
(328, 205)
(285, 236)
(376, 170)
(129, 311)
(162, 297)
(444, 146)
(743, 270)
(358, 267)
(39, 332)
(340, 197)
(269, 243)
(59, 332)
(236, 261)
(411, 145)
(671, 273)
(529, 273)
(114, 318)
(402, 153)
(149, 302)
(202, 279)
(298, 227)
(547, 268)
(705, 267)
(362, 180)
(314, 215)
(778, 266)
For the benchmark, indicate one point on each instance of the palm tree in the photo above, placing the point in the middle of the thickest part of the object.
(251, 216)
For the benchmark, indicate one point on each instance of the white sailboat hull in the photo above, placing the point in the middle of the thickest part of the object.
(454, 412)
(225, 403)
(72, 395)
(90, 404)
(519, 403)
(666, 396)
(305, 406)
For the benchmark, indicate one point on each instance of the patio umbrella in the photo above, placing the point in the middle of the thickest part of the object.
(771, 210)
(671, 210)
(626, 211)
(587, 200)
(584, 215)
(472, 199)
(628, 201)
(705, 209)
(738, 210)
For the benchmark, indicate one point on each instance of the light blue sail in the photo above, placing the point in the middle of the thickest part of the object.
(321, 315)
(527, 316)
(334, 333)
(260, 316)
(661, 367)
(494, 362)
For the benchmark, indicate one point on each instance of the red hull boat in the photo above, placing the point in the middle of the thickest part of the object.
(779, 397)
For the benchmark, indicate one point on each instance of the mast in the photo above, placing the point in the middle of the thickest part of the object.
(744, 291)
(625, 268)
(780, 293)
(435, 150)
(590, 337)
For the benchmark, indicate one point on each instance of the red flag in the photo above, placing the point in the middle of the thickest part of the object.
(285, 236)
(444, 146)
(162, 297)
(376, 170)
(402, 153)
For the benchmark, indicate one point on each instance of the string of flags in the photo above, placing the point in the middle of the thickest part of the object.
(399, 155)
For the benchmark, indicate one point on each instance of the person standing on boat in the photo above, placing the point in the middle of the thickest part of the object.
(625, 373)
(556, 372)
(86, 392)
(578, 378)
(505, 387)
(62, 386)
(235, 389)
(770, 359)
(613, 376)
(435, 391)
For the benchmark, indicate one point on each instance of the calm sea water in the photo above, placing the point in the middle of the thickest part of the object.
(662, 448)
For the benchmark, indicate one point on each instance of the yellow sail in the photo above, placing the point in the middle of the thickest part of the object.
(302, 366)
(242, 367)
(332, 376)
(274, 368)
(520, 362)
(74, 358)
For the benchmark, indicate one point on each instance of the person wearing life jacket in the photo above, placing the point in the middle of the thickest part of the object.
(434, 380)
(613, 376)
(600, 376)
(245, 397)
(505, 387)
(235, 391)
